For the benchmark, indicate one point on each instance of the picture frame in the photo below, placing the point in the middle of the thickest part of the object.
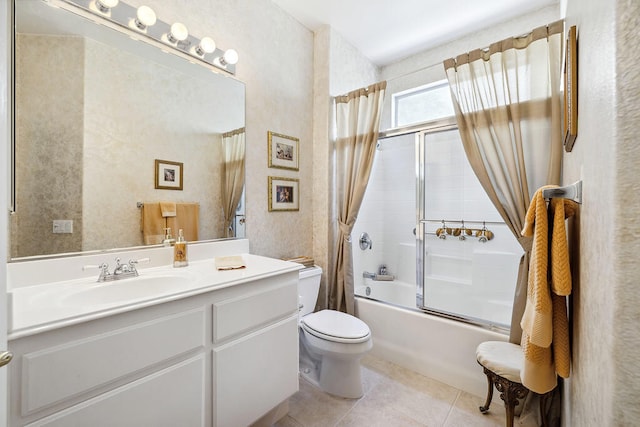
(284, 194)
(571, 90)
(168, 175)
(283, 151)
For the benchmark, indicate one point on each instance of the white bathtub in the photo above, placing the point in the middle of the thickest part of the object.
(436, 347)
(393, 292)
(442, 295)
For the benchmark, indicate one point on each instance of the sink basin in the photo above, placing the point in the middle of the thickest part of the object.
(132, 289)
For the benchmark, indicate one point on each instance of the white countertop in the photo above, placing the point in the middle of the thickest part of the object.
(42, 307)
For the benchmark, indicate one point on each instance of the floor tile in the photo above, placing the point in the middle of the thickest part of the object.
(370, 413)
(466, 412)
(288, 421)
(312, 407)
(393, 397)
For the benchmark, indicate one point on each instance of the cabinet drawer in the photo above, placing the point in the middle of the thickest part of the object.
(269, 303)
(172, 397)
(58, 373)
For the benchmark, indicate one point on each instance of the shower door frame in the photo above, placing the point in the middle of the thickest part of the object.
(421, 130)
(421, 222)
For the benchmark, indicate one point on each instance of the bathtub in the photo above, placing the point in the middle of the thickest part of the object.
(433, 346)
(442, 295)
(392, 292)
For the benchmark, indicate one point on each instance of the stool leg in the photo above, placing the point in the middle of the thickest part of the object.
(510, 393)
(485, 408)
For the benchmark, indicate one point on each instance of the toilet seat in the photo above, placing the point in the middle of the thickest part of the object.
(332, 325)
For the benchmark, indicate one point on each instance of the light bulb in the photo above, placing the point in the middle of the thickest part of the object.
(206, 45)
(230, 57)
(145, 17)
(178, 33)
(104, 5)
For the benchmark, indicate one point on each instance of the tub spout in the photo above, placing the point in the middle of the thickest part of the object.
(368, 275)
(378, 277)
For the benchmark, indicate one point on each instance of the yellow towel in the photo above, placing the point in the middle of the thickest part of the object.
(152, 224)
(187, 215)
(168, 209)
(545, 318)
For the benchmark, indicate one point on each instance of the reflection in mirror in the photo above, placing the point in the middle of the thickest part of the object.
(94, 109)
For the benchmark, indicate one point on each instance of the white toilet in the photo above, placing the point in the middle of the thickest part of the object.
(331, 342)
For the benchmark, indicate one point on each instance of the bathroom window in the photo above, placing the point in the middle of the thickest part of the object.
(422, 104)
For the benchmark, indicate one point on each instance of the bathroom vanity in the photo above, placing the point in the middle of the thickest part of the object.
(206, 348)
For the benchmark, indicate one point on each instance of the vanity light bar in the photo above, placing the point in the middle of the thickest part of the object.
(143, 25)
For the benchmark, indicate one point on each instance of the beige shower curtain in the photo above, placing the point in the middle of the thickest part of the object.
(508, 109)
(233, 150)
(357, 124)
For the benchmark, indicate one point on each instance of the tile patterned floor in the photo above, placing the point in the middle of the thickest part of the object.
(393, 396)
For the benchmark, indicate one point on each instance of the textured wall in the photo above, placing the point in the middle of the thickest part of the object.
(605, 386)
(338, 69)
(627, 298)
(323, 214)
(51, 146)
(276, 63)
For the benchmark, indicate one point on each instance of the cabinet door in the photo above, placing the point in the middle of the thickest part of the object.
(255, 373)
(171, 397)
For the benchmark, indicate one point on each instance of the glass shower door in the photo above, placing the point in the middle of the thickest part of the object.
(468, 258)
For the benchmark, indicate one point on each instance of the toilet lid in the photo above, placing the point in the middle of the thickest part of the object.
(336, 326)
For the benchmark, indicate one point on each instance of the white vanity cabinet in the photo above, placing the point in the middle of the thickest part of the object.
(221, 358)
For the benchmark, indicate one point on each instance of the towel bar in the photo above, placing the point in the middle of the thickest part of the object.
(141, 204)
(572, 192)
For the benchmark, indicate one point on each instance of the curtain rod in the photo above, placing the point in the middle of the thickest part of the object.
(441, 62)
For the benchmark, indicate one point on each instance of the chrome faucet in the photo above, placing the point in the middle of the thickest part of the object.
(124, 269)
(368, 275)
(121, 271)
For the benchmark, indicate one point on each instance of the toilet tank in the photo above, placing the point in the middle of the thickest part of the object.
(308, 288)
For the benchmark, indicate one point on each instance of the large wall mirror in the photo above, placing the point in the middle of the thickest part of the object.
(94, 111)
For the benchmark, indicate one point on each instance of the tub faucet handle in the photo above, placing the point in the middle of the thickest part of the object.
(365, 241)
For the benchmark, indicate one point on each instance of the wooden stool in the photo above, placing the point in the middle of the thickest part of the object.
(502, 362)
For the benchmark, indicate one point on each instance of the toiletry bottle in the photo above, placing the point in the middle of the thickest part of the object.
(180, 251)
(168, 240)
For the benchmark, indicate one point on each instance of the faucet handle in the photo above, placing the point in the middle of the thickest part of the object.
(103, 266)
(133, 262)
(104, 270)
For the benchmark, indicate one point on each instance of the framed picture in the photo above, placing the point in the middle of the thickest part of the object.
(571, 90)
(283, 151)
(168, 175)
(284, 194)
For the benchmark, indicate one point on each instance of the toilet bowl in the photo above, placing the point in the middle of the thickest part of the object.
(331, 342)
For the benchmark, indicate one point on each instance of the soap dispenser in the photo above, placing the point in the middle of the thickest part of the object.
(168, 240)
(180, 251)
